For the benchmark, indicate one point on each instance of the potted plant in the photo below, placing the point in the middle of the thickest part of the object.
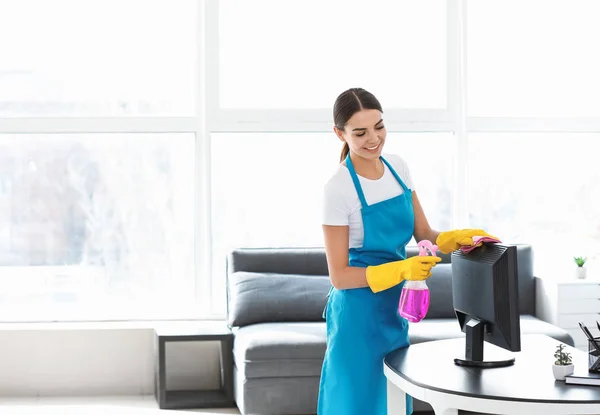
(563, 365)
(580, 269)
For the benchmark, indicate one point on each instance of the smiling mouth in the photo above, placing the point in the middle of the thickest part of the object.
(373, 148)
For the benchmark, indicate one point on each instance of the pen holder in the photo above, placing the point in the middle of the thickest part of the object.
(593, 356)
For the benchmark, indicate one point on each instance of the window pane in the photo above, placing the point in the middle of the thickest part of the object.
(430, 158)
(96, 226)
(313, 50)
(532, 58)
(538, 189)
(267, 188)
(97, 58)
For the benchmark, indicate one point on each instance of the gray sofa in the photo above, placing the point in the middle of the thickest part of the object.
(275, 303)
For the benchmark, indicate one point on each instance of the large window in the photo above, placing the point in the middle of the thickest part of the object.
(141, 141)
(96, 226)
(98, 160)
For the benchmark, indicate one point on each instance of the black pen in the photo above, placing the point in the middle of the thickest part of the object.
(596, 364)
(591, 338)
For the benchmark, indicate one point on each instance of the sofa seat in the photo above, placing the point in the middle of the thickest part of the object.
(447, 328)
(294, 349)
(287, 349)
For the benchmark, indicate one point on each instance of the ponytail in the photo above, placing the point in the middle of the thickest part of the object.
(345, 151)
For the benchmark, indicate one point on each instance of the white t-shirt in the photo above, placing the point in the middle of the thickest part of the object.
(341, 205)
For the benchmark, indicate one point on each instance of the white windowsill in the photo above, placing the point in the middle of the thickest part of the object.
(102, 325)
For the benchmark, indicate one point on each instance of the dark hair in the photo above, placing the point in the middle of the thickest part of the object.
(349, 103)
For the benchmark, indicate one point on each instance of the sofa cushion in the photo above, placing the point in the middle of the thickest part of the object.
(447, 328)
(256, 297)
(305, 261)
(280, 349)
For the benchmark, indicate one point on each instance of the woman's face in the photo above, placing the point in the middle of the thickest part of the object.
(365, 133)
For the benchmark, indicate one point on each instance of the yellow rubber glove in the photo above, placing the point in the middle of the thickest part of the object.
(384, 276)
(452, 240)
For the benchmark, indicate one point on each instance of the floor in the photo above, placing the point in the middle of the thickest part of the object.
(110, 405)
(120, 405)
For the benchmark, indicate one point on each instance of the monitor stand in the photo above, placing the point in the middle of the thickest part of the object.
(474, 331)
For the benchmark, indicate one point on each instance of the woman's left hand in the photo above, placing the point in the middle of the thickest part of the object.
(452, 240)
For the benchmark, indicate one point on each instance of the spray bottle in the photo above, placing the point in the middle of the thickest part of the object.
(414, 299)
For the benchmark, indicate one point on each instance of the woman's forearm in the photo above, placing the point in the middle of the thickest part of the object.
(431, 236)
(349, 277)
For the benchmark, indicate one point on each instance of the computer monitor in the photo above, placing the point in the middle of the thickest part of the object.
(486, 303)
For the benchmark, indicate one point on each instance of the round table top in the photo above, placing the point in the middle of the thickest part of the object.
(431, 365)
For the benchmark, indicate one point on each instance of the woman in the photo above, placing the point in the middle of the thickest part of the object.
(371, 212)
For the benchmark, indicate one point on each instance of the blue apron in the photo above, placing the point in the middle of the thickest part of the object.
(363, 327)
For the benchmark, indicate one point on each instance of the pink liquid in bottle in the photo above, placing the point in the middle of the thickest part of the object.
(414, 301)
(414, 298)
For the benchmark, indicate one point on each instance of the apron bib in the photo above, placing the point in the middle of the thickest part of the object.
(363, 327)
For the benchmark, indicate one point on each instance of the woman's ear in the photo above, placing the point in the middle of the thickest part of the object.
(339, 133)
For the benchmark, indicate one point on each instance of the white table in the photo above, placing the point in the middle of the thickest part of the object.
(427, 372)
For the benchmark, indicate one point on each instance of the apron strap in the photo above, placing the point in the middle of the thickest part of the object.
(359, 190)
(406, 190)
(357, 185)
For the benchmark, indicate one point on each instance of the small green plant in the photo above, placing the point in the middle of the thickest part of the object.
(562, 358)
(580, 261)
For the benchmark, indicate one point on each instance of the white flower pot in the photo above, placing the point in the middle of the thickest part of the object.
(580, 272)
(561, 371)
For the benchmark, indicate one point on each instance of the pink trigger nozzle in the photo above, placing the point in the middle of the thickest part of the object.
(424, 245)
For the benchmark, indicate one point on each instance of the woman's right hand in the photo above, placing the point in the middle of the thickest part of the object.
(384, 276)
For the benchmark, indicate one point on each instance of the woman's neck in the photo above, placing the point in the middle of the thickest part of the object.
(369, 169)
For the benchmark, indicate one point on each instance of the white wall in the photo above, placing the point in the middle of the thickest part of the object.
(97, 359)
